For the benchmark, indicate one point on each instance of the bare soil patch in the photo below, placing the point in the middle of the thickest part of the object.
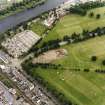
(50, 56)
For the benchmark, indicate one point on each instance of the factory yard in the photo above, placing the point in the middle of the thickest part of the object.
(20, 43)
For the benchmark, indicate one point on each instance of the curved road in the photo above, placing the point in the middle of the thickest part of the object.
(18, 18)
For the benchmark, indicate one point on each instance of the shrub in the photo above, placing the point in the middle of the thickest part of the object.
(91, 14)
(103, 62)
(93, 58)
(86, 70)
(98, 16)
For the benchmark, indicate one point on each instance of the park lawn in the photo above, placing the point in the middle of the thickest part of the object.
(38, 27)
(79, 54)
(79, 87)
(71, 23)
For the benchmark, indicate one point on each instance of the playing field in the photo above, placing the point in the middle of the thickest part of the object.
(75, 23)
(82, 88)
(38, 27)
(79, 55)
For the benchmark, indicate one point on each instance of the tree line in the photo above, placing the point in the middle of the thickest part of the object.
(82, 8)
(74, 38)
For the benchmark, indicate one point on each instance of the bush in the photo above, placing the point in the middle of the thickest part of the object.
(103, 62)
(93, 58)
(98, 16)
(86, 70)
(91, 14)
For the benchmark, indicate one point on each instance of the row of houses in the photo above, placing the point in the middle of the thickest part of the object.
(7, 96)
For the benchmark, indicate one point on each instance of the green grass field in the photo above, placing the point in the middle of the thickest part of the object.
(75, 23)
(79, 55)
(82, 88)
(38, 27)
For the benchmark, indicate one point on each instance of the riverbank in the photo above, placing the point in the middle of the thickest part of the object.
(15, 19)
(18, 7)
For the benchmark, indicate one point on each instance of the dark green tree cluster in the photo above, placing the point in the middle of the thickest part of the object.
(28, 65)
(91, 14)
(78, 10)
(100, 71)
(82, 8)
(93, 58)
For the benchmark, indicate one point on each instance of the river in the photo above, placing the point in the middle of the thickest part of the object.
(13, 20)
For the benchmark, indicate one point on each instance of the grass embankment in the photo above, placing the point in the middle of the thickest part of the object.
(38, 27)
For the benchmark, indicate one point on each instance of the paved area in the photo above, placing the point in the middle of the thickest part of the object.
(20, 43)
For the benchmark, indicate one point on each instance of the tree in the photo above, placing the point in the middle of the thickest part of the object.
(103, 62)
(98, 16)
(91, 14)
(86, 70)
(93, 58)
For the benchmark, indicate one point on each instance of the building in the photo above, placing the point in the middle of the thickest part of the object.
(20, 43)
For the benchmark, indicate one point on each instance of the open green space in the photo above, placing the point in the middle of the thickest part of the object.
(38, 27)
(71, 23)
(82, 88)
(79, 55)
